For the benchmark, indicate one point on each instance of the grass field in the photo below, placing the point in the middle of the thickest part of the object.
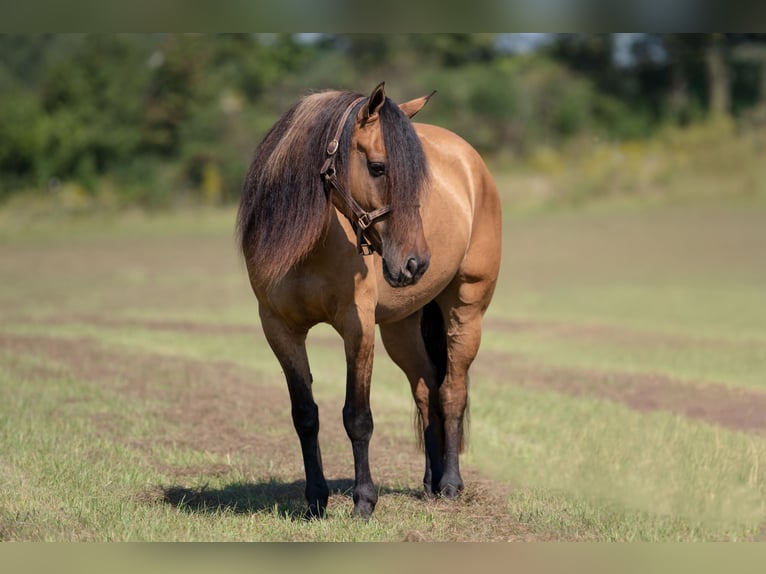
(620, 393)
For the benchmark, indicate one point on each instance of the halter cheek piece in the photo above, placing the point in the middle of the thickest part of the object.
(361, 219)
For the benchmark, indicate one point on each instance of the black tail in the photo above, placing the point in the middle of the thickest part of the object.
(435, 337)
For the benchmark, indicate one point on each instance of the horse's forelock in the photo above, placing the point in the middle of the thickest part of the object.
(407, 172)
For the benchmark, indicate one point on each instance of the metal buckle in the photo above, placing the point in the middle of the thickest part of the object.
(363, 244)
(366, 249)
(332, 147)
(364, 221)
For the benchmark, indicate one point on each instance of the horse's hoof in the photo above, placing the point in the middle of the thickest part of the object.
(315, 512)
(450, 491)
(363, 510)
(365, 499)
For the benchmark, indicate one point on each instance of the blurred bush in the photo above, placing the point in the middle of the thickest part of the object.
(159, 119)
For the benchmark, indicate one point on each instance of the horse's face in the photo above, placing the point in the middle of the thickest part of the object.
(399, 234)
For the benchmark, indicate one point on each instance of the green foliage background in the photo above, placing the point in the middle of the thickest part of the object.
(158, 119)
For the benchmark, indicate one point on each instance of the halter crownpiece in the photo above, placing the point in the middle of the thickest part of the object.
(362, 219)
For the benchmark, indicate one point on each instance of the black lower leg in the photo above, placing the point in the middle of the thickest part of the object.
(451, 483)
(434, 467)
(306, 422)
(358, 424)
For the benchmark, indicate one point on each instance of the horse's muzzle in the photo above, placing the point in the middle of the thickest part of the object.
(409, 273)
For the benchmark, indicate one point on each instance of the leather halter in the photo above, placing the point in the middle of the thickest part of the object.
(361, 219)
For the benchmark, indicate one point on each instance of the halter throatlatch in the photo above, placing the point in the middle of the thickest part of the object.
(361, 219)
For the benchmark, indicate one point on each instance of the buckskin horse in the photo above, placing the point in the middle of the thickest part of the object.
(353, 215)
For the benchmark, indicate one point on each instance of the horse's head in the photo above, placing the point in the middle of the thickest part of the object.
(386, 173)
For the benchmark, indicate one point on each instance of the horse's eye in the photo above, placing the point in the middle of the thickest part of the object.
(376, 168)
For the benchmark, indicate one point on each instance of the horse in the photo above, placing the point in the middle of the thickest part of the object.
(353, 215)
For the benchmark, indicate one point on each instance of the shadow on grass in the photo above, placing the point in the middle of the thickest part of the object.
(284, 499)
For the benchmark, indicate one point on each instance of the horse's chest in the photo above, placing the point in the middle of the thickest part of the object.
(305, 297)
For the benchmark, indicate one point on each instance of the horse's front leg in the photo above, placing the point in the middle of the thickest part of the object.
(289, 345)
(358, 331)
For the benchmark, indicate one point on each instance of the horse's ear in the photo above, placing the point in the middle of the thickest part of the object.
(376, 101)
(414, 106)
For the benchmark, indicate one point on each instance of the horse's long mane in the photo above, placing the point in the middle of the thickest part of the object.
(283, 210)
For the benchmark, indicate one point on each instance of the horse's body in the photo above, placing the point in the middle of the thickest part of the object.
(427, 288)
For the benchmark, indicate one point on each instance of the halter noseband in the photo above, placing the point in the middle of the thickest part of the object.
(362, 219)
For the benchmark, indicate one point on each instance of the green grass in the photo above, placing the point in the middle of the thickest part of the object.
(139, 401)
(58, 482)
(657, 464)
(723, 362)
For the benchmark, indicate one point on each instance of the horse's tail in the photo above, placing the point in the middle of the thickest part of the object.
(435, 337)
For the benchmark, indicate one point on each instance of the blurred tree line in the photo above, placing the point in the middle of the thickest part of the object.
(156, 117)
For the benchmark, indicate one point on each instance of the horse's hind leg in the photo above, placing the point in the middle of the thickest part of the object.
(404, 343)
(463, 305)
(289, 345)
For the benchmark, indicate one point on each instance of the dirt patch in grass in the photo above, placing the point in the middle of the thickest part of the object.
(210, 406)
(732, 408)
(224, 410)
(480, 514)
(239, 420)
(614, 334)
(190, 327)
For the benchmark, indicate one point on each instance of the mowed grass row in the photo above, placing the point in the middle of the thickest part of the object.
(604, 295)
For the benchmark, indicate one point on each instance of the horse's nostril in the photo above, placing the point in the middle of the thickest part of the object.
(409, 273)
(412, 267)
